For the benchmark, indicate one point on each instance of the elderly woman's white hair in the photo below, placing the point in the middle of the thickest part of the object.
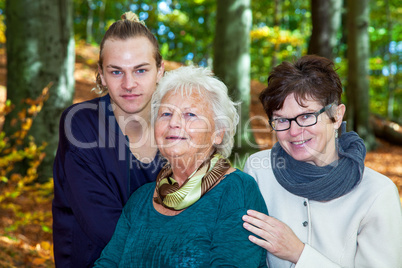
(188, 78)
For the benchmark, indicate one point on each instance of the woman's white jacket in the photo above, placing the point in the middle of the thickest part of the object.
(360, 229)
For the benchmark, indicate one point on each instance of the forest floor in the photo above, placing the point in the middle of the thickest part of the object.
(31, 246)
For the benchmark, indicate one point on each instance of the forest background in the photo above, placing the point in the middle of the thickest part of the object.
(48, 57)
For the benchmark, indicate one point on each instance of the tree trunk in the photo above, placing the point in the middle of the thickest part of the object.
(326, 21)
(90, 21)
(389, 61)
(386, 129)
(358, 77)
(274, 61)
(40, 50)
(102, 17)
(344, 31)
(232, 64)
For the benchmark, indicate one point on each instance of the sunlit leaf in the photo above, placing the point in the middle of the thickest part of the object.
(45, 245)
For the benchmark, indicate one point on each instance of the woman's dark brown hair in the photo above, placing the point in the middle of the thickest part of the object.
(310, 77)
(128, 27)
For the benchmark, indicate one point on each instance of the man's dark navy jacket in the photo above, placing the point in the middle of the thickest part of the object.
(94, 175)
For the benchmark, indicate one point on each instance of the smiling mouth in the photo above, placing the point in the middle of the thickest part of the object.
(299, 142)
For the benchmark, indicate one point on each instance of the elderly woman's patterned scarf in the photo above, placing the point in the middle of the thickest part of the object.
(322, 183)
(176, 197)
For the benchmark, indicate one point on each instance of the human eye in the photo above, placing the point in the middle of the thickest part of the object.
(306, 119)
(141, 71)
(116, 72)
(281, 120)
(166, 114)
(190, 115)
(306, 116)
(280, 123)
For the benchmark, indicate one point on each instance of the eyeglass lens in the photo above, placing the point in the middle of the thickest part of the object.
(303, 120)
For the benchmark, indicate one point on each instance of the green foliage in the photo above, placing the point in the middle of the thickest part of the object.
(386, 54)
(271, 44)
(185, 30)
(267, 41)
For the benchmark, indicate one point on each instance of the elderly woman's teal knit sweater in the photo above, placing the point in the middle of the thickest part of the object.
(209, 233)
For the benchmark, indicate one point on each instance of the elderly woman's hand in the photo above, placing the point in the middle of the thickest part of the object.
(276, 236)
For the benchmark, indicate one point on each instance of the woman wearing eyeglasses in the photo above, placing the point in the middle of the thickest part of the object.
(326, 208)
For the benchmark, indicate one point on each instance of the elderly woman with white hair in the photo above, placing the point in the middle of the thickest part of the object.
(192, 215)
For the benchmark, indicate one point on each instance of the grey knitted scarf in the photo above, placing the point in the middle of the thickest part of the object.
(322, 183)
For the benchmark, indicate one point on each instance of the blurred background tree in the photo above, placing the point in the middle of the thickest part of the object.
(326, 22)
(232, 64)
(280, 30)
(40, 50)
(357, 86)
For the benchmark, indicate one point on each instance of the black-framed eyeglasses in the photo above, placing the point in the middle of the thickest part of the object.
(303, 120)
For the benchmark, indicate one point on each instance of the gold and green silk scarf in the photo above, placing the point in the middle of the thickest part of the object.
(176, 197)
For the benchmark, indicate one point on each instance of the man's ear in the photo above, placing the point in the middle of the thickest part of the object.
(101, 75)
(161, 71)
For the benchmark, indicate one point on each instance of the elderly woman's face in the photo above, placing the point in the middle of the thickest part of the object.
(314, 144)
(185, 127)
